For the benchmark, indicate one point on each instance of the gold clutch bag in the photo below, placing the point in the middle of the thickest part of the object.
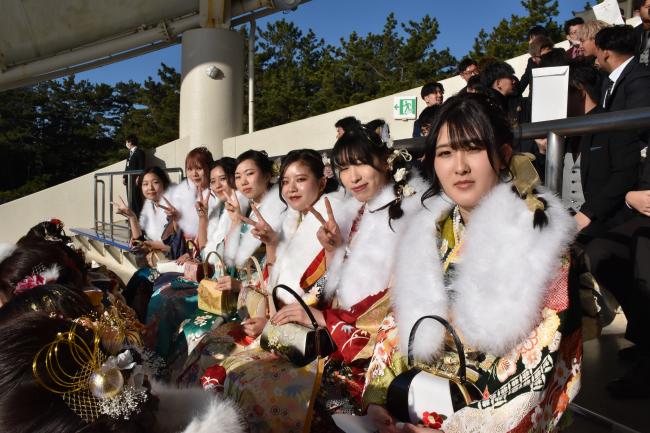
(212, 300)
(296, 343)
(254, 296)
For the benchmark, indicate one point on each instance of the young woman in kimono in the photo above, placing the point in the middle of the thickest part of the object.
(275, 395)
(486, 252)
(150, 226)
(359, 250)
(253, 174)
(174, 298)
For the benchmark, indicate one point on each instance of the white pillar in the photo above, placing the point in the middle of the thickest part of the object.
(211, 99)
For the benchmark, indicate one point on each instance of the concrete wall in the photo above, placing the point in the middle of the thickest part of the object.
(72, 201)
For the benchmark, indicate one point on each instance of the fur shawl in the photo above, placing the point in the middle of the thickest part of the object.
(183, 197)
(152, 221)
(193, 410)
(299, 246)
(368, 269)
(219, 221)
(239, 247)
(498, 287)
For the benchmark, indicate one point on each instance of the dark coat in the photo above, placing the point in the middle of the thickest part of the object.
(607, 171)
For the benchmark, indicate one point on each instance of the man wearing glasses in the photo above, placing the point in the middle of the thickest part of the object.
(571, 30)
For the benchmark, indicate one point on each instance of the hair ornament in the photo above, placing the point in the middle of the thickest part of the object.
(398, 153)
(275, 170)
(93, 385)
(407, 190)
(40, 275)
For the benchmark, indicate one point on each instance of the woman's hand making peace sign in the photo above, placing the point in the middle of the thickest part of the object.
(202, 204)
(232, 207)
(261, 229)
(329, 234)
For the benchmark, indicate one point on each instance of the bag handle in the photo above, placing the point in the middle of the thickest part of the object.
(462, 371)
(256, 263)
(220, 264)
(298, 298)
(195, 250)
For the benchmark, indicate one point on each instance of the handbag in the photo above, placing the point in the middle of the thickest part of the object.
(193, 269)
(254, 297)
(421, 397)
(212, 300)
(296, 343)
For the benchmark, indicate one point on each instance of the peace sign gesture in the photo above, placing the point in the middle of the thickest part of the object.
(232, 207)
(202, 204)
(261, 229)
(170, 210)
(123, 209)
(329, 234)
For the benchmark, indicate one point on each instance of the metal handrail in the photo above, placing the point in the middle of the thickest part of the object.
(102, 225)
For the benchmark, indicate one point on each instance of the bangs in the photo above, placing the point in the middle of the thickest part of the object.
(353, 152)
(194, 161)
(467, 135)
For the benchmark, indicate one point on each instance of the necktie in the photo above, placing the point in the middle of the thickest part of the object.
(608, 92)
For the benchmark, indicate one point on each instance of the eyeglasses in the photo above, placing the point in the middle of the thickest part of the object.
(469, 72)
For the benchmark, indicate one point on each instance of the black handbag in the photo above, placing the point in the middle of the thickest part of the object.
(297, 343)
(421, 397)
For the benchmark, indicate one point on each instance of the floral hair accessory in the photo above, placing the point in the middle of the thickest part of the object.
(398, 153)
(92, 385)
(40, 275)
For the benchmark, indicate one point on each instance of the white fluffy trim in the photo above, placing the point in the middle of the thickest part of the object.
(193, 410)
(368, 268)
(219, 223)
(419, 287)
(6, 250)
(238, 248)
(299, 246)
(499, 285)
(183, 196)
(506, 268)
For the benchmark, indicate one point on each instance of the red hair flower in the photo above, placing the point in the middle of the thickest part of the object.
(433, 420)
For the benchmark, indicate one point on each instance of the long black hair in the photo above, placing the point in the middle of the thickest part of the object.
(312, 160)
(473, 121)
(360, 146)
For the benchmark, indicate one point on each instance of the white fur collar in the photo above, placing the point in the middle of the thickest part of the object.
(368, 269)
(6, 250)
(500, 283)
(152, 220)
(183, 197)
(219, 222)
(238, 247)
(193, 410)
(299, 246)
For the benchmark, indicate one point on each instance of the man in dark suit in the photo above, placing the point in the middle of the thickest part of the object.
(642, 33)
(135, 161)
(607, 170)
(619, 258)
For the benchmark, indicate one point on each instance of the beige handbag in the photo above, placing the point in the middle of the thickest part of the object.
(295, 342)
(212, 300)
(254, 296)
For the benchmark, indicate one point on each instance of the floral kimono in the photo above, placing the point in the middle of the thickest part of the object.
(358, 282)
(213, 339)
(274, 395)
(503, 284)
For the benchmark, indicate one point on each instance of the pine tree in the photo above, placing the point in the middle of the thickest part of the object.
(508, 39)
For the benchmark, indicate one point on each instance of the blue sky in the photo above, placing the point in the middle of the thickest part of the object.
(460, 22)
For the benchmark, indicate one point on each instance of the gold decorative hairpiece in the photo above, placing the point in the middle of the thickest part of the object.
(90, 383)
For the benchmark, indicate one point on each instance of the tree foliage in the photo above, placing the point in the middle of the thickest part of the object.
(508, 39)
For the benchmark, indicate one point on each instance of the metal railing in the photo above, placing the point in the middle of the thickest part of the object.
(557, 130)
(108, 228)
